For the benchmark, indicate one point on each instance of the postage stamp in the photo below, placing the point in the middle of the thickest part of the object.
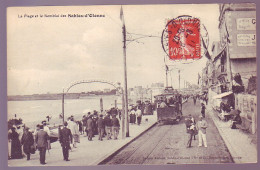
(181, 38)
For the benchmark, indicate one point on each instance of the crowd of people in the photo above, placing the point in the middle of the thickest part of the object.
(24, 141)
(173, 100)
(105, 125)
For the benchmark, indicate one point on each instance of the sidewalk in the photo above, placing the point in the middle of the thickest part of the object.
(88, 152)
(238, 143)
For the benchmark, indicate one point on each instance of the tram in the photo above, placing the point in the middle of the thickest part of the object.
(169, 106)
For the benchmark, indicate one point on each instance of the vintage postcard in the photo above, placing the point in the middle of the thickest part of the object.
(132, 84)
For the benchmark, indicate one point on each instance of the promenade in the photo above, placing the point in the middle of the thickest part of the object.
(87, 152)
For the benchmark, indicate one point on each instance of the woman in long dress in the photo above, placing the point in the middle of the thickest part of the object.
(16, 149)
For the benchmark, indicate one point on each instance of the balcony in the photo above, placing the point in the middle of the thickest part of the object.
(221, 71)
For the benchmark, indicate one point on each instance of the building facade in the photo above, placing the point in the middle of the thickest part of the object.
(237, 26)
(234, 60)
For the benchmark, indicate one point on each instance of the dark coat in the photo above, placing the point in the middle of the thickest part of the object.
(80, 126)
(16, 150)
(84, 120)
(27, 142)
(90, 124)
(65, 137)
(101, 123)
(188, 123)
(42, 138)
(132, 118)
(108, 121)
(115, 122)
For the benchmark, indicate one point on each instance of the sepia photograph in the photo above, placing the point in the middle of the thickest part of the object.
(131, 84)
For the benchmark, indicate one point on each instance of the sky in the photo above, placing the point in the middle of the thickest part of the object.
(47, 54)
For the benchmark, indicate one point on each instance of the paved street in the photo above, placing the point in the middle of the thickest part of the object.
(166, 144)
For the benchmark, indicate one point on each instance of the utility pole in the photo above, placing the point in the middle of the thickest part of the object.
(123, 115)
(125, 71)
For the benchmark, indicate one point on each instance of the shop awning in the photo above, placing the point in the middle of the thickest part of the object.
(219, 96)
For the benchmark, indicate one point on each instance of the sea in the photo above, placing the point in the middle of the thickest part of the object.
(35, 111)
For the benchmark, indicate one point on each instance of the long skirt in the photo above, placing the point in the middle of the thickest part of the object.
(16, 149)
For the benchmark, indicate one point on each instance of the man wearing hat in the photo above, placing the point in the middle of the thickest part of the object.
(65, 140)
(27, 142)
(202, 126)
(42, 140)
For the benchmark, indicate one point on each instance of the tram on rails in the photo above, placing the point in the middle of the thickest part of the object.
(169, 106)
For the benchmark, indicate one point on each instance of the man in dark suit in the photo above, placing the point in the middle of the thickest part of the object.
(43, 142)
(65, 140)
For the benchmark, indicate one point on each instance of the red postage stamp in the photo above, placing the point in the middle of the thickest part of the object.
(182, 38)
